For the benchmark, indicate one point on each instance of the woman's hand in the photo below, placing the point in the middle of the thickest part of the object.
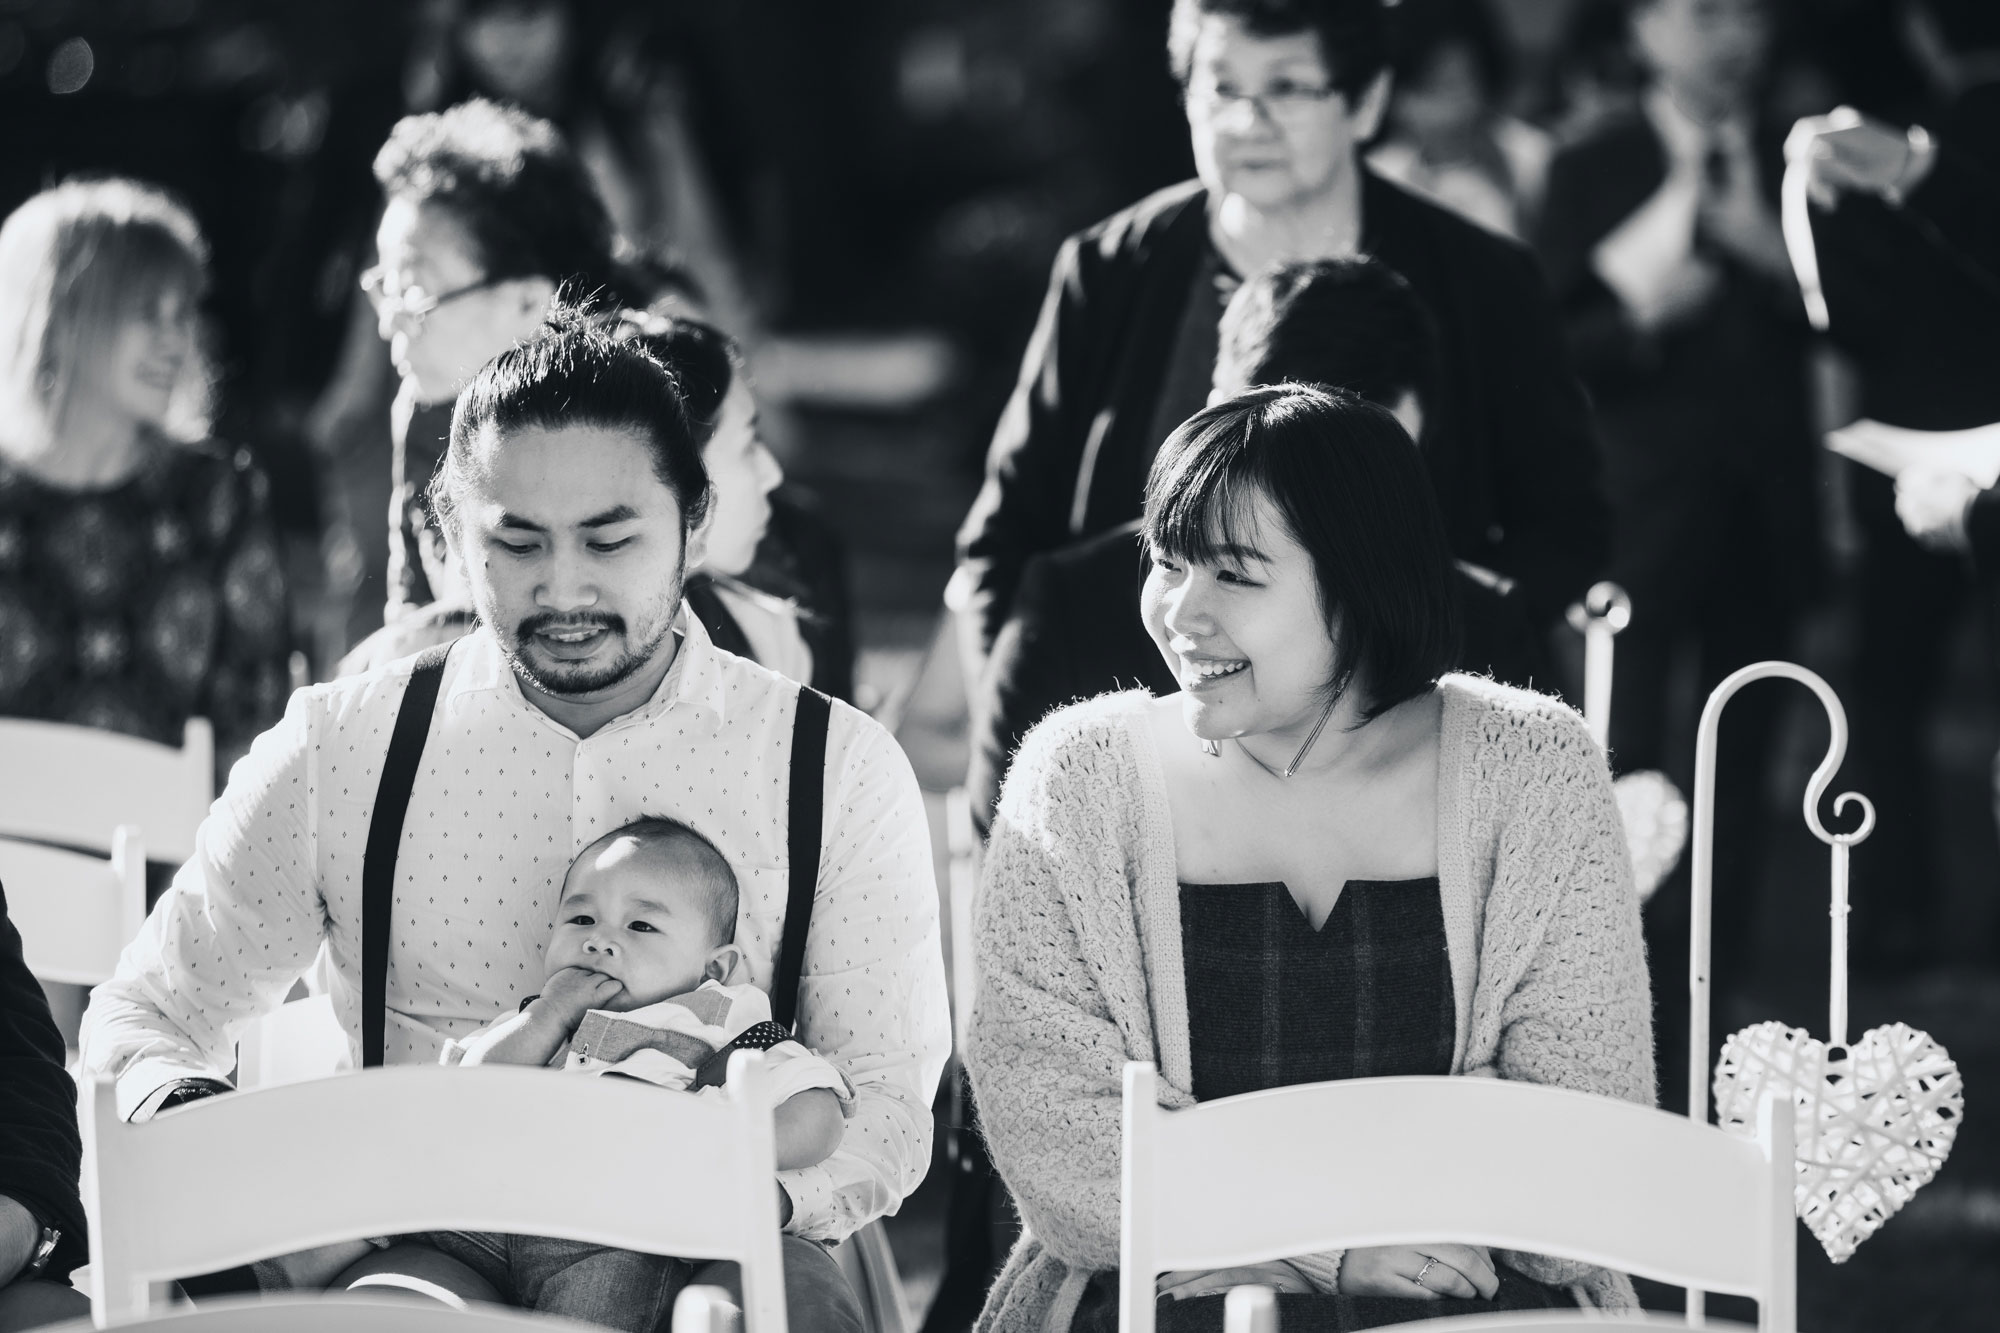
(1277, 1275)
(1463, 1271)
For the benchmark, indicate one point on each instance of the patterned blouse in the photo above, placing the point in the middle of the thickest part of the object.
(136, 607)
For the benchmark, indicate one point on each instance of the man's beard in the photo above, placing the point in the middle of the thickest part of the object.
(575, 679)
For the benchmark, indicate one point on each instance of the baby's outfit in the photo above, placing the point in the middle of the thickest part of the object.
(679, 1043)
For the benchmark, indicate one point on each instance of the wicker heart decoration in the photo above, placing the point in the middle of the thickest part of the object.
(1655, 816)
(1874, 1122)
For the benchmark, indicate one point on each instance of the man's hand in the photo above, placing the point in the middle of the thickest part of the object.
(1847, 152)
(1279, 1275)
(1932, 503)
(1685, 295)
(1462, 1271)
(19, 1234)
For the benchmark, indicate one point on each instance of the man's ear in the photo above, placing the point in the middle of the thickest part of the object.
(1370, 107)
(723, 964)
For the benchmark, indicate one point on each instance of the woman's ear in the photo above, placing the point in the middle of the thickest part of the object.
(723, 964)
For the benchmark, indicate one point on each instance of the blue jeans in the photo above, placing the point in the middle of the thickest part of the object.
(594, 1284)
(624, 1289)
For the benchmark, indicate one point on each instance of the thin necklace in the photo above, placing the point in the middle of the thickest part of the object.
(1211, 749)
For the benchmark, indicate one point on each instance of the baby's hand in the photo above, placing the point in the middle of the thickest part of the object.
(570, 993)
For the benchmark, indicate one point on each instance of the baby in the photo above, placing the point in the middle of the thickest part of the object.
(644, 980)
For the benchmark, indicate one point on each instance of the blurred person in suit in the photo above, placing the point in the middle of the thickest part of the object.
(1660, 236)
(1280, 95)
(1906, 229)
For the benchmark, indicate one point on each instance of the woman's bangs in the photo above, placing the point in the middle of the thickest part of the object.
(1203, 507)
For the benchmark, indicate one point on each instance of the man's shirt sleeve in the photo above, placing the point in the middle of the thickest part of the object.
(224, 944)
(872, 1000)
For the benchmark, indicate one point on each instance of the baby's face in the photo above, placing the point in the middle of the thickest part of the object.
(638, 915)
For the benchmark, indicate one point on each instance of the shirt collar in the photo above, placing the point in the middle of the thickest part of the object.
(694, 682)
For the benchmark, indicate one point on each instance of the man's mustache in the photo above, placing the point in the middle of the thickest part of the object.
(543, 622)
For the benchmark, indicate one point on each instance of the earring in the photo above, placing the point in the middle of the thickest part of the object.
(1211, 749)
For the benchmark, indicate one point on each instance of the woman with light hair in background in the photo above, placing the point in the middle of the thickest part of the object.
(140, 580)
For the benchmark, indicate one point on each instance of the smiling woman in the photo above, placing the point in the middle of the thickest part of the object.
(140, 581)
(1324, 858)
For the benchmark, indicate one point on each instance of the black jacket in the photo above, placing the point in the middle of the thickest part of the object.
(1075, 632)
(1508, 438)
(41, 1152)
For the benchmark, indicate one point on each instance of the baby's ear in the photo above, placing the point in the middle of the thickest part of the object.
(723, 965)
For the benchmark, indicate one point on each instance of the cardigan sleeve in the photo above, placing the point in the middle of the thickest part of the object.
(1045, 1052)
(1563, 943)
(1580, 1015)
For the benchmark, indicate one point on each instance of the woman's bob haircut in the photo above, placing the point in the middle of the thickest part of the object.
(1353, 492)
(76, 261)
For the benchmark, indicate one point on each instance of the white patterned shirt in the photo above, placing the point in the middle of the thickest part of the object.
(505, 798)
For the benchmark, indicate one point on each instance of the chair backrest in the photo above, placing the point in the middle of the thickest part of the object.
(343, 1314)
(76, 913)
(419, 1148)
(1479, 1161)
(73, 785)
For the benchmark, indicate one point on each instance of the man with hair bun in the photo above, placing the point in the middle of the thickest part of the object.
(574, 496)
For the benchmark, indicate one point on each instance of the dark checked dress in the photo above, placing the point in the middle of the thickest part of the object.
(1271, 1003)
(135, 607)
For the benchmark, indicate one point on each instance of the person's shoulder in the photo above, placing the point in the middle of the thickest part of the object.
(1133, 229)
(1517, 725)
(1090, 732)
(1451, 237)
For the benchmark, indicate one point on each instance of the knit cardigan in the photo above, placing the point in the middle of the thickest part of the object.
(1077, 938)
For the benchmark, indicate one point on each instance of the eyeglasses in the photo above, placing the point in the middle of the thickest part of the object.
(411, 303)
(1281, 100)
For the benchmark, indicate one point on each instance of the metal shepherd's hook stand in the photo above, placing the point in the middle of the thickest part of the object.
(1703, 872)
(1604, 611)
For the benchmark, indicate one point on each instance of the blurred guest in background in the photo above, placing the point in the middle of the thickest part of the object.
(1907, 235)
(41, 1212)
(1279, 96)
(798, 635)
(1073, 632)
(1447, 138)
(140, 581)
(612, 82)
(489, 213)
(1660, 235)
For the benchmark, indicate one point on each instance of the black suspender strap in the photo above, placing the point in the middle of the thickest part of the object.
(808, 794)
(385, 835)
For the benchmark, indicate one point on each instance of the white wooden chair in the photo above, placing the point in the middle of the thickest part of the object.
(73, 785)
(1402, 1161)
(75, 912)
(419, 1148)
(334, 1314)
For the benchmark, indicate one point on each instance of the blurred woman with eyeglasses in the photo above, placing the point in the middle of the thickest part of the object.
(488, 214)
(1281, 96)
(140, 580)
